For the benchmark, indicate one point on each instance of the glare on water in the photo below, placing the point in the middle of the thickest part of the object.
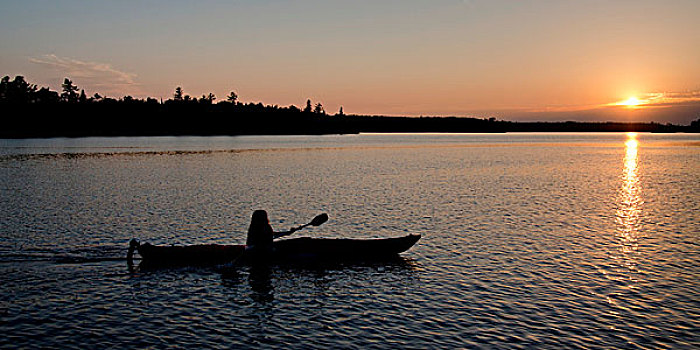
(630, 202)
(630, 205)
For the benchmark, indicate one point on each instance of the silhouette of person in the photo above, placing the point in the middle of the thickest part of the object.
(260, 235)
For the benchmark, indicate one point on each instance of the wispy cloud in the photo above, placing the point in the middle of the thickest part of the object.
(672, 107)
(660, 99)
(683, 94)
(95, 76)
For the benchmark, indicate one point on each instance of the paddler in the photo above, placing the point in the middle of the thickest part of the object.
(260, 236)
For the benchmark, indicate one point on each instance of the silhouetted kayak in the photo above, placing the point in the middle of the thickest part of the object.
(293, 250)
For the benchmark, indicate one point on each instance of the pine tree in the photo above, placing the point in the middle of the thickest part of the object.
(178, 94)
(70, 91)
(232, 97)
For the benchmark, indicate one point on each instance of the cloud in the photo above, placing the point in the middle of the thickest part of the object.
(681, 95)
(666, 99)
(677, 112)
(663, 107)
(96, 76)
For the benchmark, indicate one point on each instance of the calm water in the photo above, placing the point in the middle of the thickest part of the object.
(529, 241)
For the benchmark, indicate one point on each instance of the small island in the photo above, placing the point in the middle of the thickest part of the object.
(33, 112)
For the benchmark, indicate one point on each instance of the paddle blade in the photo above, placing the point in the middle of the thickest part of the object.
(319, 220)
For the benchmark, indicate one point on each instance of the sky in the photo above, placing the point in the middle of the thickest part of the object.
(514, 60)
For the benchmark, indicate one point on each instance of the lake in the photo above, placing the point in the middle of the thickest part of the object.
(529, 240)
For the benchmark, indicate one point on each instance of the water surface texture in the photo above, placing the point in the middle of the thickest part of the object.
(529, 241)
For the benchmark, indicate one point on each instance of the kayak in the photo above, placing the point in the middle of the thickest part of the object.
(289, 250)
(306, 248)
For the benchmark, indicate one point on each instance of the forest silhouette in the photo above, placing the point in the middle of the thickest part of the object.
(30, 111)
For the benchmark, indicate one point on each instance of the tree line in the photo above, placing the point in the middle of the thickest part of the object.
(32, 111)
(20, 92)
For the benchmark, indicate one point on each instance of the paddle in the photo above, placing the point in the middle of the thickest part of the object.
(317, 221)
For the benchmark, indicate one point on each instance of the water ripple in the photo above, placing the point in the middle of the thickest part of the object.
(550, 244)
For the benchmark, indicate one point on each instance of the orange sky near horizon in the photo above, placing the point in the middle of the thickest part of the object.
(535, 60)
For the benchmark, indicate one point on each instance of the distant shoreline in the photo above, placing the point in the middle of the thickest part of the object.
(234, 120)
(68, 130)
(30, 112)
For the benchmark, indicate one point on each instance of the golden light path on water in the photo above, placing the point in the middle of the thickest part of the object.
(630, 203)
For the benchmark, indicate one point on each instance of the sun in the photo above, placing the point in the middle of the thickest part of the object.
(631, 102)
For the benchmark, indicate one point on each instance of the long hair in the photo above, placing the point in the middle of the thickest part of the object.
(259, 221)
(260, 231)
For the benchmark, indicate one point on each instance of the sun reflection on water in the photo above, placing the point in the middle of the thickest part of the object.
(630, 202)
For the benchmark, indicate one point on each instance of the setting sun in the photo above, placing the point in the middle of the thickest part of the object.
(631, 102)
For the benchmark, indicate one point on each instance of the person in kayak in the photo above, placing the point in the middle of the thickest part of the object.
(260, 235)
